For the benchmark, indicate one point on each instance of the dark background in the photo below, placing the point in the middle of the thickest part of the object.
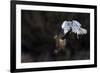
(38, 29)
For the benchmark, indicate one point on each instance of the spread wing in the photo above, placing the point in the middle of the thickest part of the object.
(66, 26)
(76, 28)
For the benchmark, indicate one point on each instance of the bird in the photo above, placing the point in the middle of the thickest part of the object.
(74, 26)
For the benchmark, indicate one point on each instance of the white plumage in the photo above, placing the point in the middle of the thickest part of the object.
(75, 26)
(66, 26)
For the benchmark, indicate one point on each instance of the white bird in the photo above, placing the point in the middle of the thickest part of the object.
(75, 26)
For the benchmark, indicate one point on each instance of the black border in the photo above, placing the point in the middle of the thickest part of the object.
(13, 36)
